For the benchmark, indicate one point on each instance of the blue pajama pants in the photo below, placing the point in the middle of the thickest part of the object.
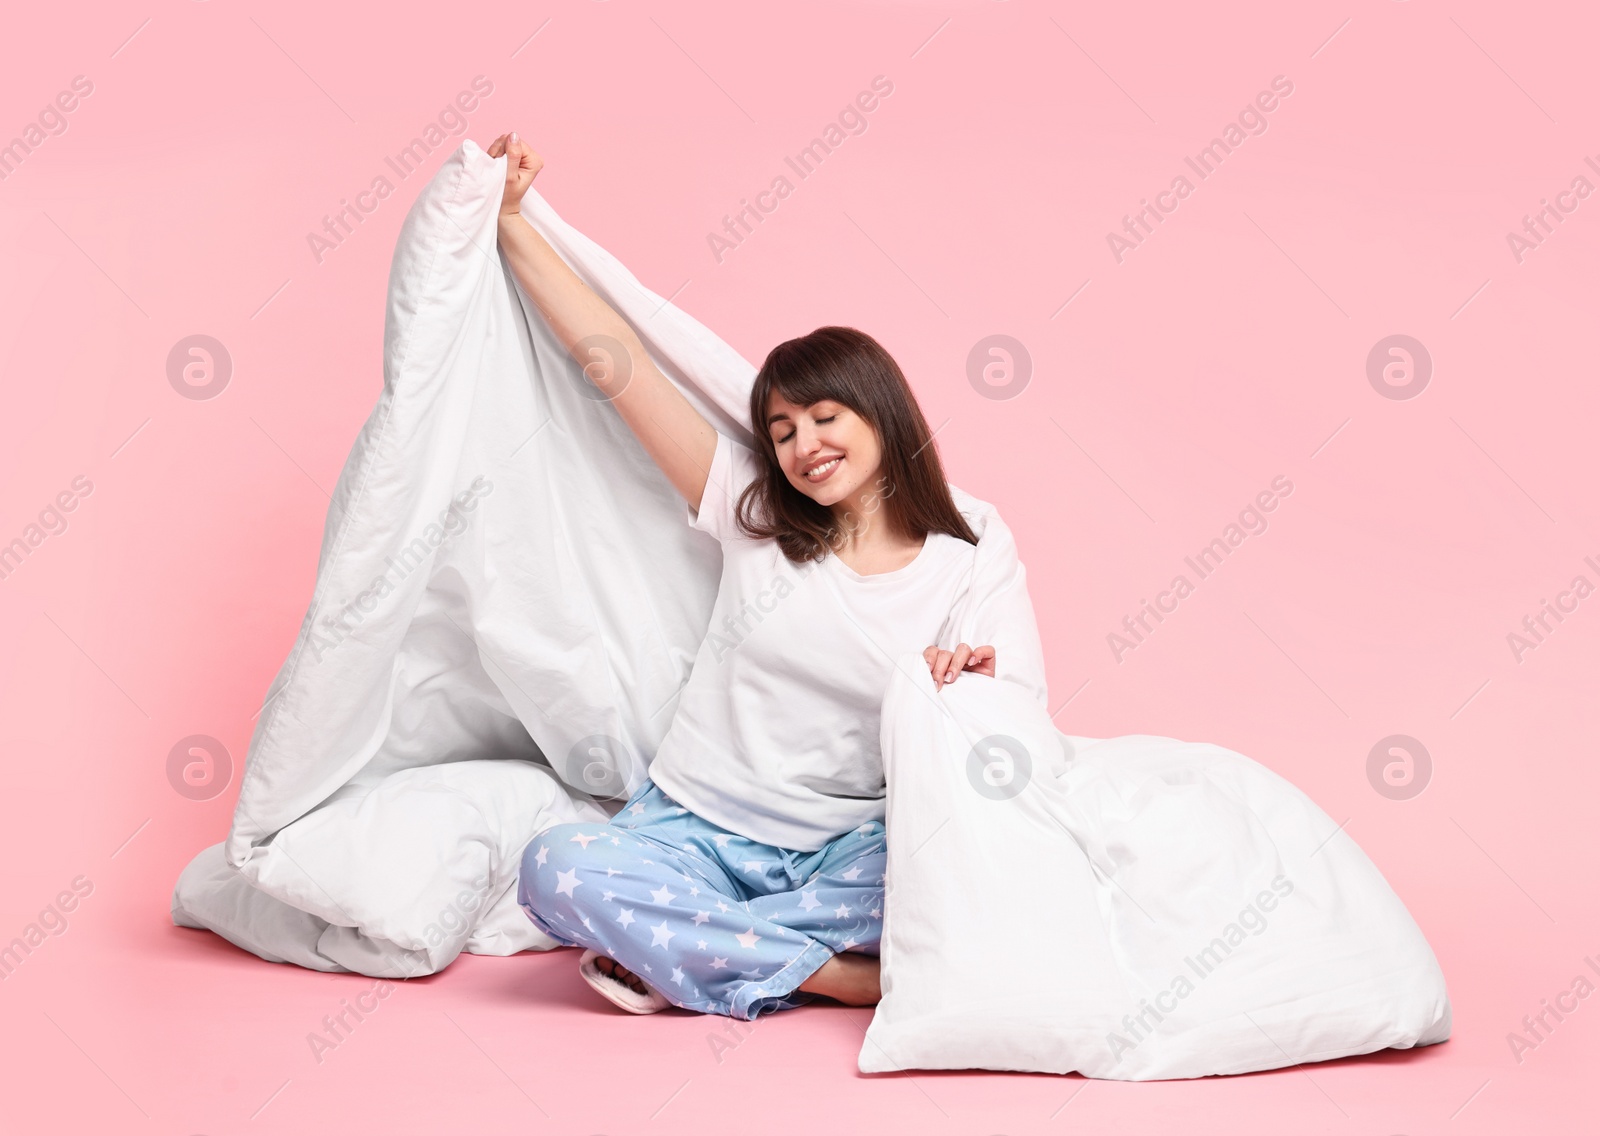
(717, 922)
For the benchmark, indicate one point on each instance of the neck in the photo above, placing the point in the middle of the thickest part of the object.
(863, 520)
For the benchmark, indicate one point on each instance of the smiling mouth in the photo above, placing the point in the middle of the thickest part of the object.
(823, 471)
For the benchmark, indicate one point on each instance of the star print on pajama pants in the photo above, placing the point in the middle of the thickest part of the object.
(717, 922)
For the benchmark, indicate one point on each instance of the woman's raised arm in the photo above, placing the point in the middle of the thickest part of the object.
(671, 430)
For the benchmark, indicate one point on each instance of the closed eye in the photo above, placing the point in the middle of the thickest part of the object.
(790, 434)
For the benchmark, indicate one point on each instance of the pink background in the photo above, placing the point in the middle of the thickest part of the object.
(1229, 348)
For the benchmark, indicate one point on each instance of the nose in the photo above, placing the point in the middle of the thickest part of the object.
(806, 441)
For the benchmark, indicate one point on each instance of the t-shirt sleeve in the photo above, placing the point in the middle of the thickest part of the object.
(732, 468)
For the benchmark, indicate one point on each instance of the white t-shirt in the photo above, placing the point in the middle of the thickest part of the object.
(776, 732)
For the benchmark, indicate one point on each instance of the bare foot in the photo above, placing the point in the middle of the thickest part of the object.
(848, 978)
(617, 970)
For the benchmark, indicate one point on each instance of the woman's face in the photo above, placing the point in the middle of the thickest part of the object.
(826, 450)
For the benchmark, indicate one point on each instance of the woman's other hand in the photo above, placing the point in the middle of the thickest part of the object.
(947, 666)
(522, 165)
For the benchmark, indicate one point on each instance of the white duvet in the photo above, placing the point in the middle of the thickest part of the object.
(508, 599)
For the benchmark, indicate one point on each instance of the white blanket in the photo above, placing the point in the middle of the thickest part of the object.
(1128, 908)
(508, 599)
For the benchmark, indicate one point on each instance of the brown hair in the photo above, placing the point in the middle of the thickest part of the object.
(849, 367)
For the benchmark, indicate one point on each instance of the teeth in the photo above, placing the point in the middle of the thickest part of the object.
(822, 470)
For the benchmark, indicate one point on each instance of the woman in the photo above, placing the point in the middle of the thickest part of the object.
(746, 873)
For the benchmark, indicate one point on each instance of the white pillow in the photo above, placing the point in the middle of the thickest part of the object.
(213, 896)
(1128, 908)
(418, 862)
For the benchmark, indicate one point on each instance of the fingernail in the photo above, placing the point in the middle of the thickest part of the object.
(949, 676)
(513, 136)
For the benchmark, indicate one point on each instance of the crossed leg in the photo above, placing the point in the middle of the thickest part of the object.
(713, 921)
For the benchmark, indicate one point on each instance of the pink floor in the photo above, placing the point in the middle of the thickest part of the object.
(1169, 384)
(176, 1031)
